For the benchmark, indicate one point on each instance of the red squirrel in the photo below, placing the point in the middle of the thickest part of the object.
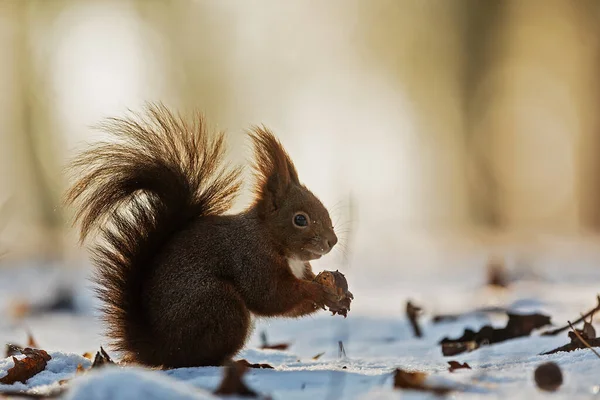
(179, 279)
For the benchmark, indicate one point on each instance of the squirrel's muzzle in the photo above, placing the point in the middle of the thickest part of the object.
(327, 242)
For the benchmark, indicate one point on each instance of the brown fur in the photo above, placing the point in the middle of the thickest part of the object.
(179, 280)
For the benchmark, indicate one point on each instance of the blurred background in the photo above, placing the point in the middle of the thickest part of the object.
(425, 125)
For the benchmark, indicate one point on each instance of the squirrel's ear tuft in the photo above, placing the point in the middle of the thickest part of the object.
(274, 169)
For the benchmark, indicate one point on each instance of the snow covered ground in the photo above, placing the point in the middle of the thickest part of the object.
(560, 281)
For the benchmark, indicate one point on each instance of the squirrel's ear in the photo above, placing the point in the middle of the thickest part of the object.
(274, 170)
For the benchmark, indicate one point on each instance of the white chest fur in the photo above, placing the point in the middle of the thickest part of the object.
(297, 267)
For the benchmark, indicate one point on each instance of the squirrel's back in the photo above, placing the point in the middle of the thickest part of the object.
(160, 174)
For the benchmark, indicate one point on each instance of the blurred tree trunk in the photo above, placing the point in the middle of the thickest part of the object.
(34, 218)
(588, 22)
(540, 88)
(482, 20)
(420, 44)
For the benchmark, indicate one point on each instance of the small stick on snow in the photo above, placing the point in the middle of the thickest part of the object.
(341, 350)
(582, 339)
(412, 313)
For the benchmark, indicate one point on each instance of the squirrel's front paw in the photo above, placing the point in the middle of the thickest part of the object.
(337, 296)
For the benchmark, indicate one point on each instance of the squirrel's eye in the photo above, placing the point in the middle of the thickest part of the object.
(300, 220)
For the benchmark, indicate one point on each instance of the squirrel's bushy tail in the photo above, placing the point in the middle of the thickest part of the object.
(160, 173)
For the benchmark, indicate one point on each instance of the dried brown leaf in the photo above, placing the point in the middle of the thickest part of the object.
(583, 340)
(588, 331)
(523, 324)
(416, 381)
(578, 341)
(316, 357)
(454, 365)
(34, 362)
(101, 359)
(518, 325)
(452, 349)
(277, 346)
(53, 394)
(574, 345)
(247, 364)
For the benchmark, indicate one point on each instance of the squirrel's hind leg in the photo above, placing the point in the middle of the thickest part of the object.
(209, 327)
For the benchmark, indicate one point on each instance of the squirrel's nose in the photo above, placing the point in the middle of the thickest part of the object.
(331, 240)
